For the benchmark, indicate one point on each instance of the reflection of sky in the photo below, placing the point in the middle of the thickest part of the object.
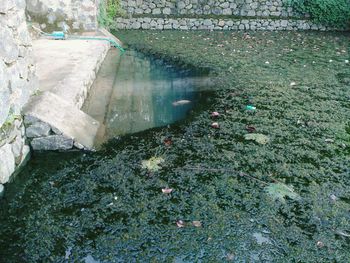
(143, 96)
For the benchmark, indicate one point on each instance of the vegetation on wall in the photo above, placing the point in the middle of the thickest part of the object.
(109, 10)
(329, 12)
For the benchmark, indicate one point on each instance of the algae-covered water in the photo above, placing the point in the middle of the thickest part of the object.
(268, 185)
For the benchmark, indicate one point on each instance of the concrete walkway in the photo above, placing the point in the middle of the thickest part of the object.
(66, 70)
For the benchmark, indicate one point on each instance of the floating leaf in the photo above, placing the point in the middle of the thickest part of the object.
(180, 224)
(280, 191)
(215, 125)
(153, 164)
(258, 137)
(197, 223)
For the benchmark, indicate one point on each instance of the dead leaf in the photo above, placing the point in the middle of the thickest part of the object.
(197, 223)
(215, 125)
(180, 224)
(215, 114)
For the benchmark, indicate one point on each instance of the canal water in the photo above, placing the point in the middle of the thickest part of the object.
(55, 209)
(143, 94)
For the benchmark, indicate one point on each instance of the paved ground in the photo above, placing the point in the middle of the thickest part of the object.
(66, 70)
(68, 67)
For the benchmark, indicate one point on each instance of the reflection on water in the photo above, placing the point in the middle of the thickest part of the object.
(145, 93)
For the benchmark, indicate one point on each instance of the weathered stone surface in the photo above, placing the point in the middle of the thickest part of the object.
(59, 14)
(16, 84)
(218, 24)
(4, 94)
(7, 163)
(68, 119)
(28, 120)
(38, 129)
(8, 48)
(52, 143)
(255, 10)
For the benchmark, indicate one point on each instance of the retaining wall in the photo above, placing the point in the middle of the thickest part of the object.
(212, 15)
(17, 83)
(66, 15)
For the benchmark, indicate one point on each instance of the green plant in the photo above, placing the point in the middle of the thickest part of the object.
(109, 10)
(334, 13)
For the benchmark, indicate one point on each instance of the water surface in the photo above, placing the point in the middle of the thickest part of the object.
(134, 92)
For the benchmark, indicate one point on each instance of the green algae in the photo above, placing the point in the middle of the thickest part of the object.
(104, 205)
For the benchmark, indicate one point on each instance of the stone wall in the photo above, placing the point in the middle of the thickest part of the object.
(66, 15)
(17, 83)
(212, 15)
(252, 8)
(216, 24)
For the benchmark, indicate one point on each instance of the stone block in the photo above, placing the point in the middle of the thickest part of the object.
(52, 143)
(7, 163)
(38, 129)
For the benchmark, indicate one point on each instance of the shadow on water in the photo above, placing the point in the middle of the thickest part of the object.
(142, 93)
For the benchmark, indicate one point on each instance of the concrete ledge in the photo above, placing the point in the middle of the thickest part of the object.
(68, 68)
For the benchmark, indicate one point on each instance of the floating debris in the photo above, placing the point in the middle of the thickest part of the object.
(258, 137)
(167, 190)
(215, 125)
(278, 191)
(215, 114)
(250, 128)
(197, 223)
(250, 107)
(319, 244)
(181, 102)
(260, 239)
(180, 224)
(153, 164)
(168, 141)
(333, 197)
(293, 84)
(342, 233)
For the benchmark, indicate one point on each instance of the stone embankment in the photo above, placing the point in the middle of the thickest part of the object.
(17, 83)
(213, 15)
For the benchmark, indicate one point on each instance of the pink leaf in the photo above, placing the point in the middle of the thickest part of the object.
(215, 114)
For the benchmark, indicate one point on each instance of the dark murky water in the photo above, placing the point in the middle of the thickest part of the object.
(145, 93)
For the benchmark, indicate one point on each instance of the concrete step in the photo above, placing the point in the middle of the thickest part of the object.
(55, 124)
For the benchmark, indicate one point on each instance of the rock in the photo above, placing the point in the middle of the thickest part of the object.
(8, 48)
(4, 94)
(38, 129)
(2, 190)
(52, 143)
(166, 11)
(156, 11)
(28, 120)
(7, 163)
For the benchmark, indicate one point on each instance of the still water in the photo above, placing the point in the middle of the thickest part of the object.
(134, 93)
